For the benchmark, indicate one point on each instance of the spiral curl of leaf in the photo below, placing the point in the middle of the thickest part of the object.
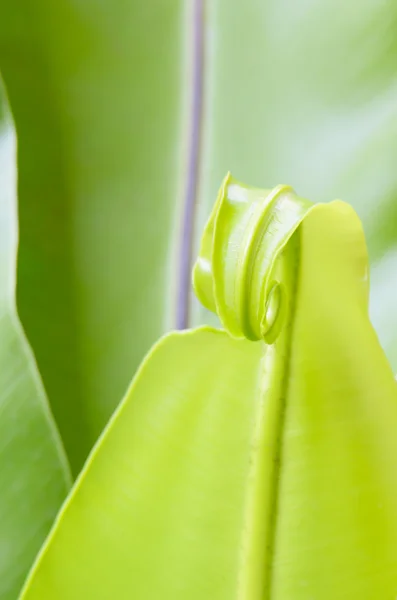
(237, 274)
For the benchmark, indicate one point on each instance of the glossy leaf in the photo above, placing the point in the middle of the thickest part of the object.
(34, 475)
(239, 469)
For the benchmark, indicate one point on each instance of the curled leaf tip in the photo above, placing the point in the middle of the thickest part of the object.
(237, 272)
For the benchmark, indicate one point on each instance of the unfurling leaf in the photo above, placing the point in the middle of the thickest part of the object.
(262, 469)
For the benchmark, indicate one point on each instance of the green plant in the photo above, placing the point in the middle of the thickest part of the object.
(127, 116)
(252, 469)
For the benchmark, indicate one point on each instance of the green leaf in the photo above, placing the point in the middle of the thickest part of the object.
(98, 100)
(240, 469)
(126, 112)
(34, 475)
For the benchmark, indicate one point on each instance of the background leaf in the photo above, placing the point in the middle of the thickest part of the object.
(128, 118)
(97, 94)
(34, 475)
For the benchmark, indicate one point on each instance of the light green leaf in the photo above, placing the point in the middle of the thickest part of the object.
(34, 475)
(239, 469)
(167, 479)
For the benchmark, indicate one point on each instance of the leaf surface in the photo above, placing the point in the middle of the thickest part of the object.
(34, 475)
(99, 104)
(123, 112)
(239, 469)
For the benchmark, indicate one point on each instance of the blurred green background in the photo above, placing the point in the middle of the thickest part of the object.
(118, 122)
(128, 115)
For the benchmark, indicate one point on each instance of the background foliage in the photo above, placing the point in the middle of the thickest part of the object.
(128, 115)
(125, 117)
(34, 475)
